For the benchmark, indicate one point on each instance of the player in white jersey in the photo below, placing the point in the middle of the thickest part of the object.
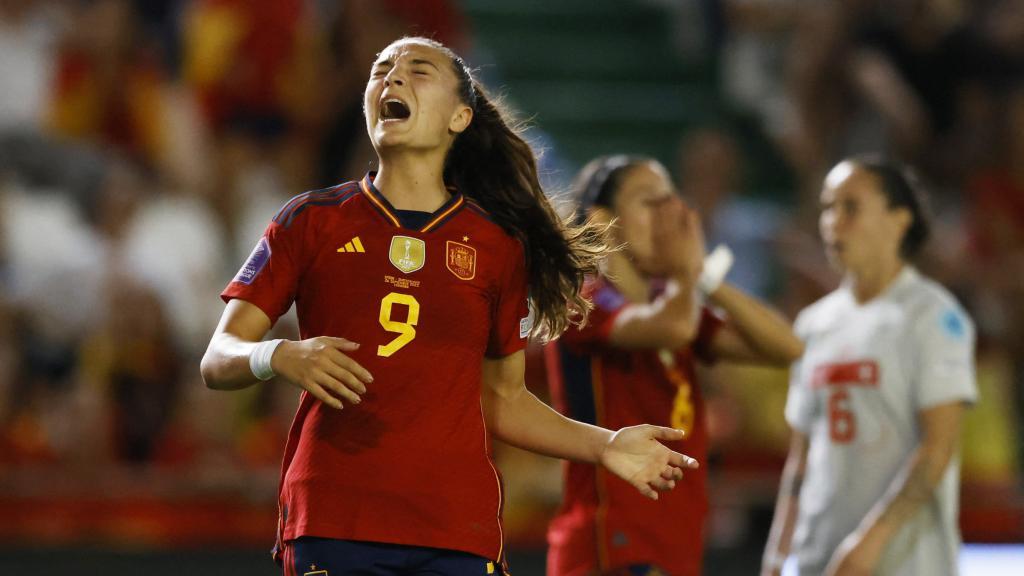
(876, 402)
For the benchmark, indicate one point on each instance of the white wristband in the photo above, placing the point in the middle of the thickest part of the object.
(259, 360)
(716, 266)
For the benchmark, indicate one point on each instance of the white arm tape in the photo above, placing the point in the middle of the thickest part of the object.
(716, 266)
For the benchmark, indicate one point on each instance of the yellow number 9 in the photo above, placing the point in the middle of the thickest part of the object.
(406, 330)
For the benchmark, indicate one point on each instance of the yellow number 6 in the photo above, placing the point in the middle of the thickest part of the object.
(406, 330)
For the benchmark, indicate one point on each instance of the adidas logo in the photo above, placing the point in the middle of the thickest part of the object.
(353, 245)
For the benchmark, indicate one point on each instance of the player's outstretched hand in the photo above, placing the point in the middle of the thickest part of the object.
(636, 455)
(321, 367)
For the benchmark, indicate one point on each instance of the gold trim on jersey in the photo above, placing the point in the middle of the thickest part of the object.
(384, 209)
(443, 215)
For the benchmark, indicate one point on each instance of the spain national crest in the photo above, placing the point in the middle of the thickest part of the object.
(461, 260)
(407, 254)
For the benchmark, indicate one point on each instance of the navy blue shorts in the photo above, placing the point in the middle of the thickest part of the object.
(309, 556)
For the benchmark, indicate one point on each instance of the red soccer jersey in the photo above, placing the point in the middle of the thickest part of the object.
(411, 464)
(604, 523)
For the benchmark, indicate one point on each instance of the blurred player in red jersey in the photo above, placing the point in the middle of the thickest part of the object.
(634, 362)
(411, 288)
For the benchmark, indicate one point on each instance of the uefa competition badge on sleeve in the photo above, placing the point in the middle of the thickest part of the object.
(256, 261)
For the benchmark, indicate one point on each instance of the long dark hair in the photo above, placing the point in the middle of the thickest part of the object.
(902, 188)
(492, 164)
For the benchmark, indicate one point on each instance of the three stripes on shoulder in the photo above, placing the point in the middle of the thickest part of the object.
(353, 245)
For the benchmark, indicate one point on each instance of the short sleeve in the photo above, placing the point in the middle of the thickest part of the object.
(269, 277)
(512, 321)
(944, 338)
(596, 332)
(800, 403)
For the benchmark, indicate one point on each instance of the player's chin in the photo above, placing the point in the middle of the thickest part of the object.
(387, 137)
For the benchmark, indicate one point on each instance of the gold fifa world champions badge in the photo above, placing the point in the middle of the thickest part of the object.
(407, 254)
(461, 260)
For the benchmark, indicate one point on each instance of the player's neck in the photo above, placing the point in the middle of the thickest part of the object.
(869, 283)
(626, 278)
(410, 183)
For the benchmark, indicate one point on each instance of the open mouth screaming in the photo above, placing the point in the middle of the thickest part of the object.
(394, 110)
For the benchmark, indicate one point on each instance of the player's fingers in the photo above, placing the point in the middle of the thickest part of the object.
(671, 473)
(647, 491)
(336, 388)
(663, 485)
(345, 377)
(342, 344)
(682, 460)
(323, 396)
(351, 366)
(677, 473)
(664, 433)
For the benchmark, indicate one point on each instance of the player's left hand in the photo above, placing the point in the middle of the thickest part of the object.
(636, 455)
(852, 558)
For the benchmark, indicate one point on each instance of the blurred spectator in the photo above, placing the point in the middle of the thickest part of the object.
(756, 40)
(710, 174)
(894, 77)
(29, 31)
(109, 84)
(131, 358)
(995, 262)
(177, 247)
(239, 56)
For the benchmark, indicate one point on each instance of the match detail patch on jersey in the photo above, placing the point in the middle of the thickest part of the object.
(256, 261)
(460, 260)
(353, 245)
(407, 254)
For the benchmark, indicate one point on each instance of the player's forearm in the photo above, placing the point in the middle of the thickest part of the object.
(519, 418)
(761, 327)
(225, 366)
(913, 488)
(670, 321)
(683, 308)
(780, 537)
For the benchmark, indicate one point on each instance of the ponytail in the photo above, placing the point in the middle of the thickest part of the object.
(492, 164)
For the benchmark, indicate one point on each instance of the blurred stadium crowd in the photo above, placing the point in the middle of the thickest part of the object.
(145, 144)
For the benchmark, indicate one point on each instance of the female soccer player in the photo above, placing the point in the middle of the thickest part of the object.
(634, 362)
(412, 289)
(871, 483)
